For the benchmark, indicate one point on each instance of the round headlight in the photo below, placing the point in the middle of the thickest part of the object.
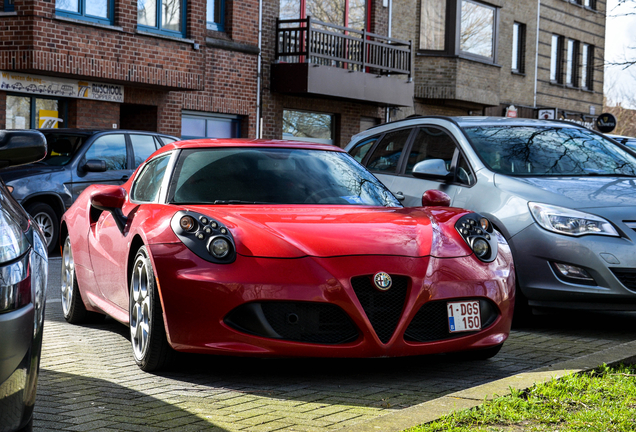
(219, 247)
(481, 248)
(187, 223)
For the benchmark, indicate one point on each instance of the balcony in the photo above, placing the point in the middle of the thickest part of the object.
(319, 59)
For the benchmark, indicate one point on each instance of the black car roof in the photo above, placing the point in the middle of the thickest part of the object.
(89, 132)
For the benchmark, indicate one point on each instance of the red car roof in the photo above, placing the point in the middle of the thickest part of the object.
(242, 142)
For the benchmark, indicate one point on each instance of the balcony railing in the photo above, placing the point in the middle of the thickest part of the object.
(311, 41)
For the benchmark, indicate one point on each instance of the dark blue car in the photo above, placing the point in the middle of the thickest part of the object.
(77, 158)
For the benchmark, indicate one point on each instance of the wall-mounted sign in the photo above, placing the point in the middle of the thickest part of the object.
(606, 123)
(546, 114)
(511, 111)
(62, 87)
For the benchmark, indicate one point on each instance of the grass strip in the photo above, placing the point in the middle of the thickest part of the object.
(601, 400)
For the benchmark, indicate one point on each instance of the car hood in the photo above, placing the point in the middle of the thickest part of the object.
(29, 170)
(292, 232)
(573, 192)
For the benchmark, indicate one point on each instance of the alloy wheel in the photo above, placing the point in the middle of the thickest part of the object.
(140, 308)
(68, 276)
(46, 224)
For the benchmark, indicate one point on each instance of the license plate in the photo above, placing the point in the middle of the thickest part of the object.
(463, 316)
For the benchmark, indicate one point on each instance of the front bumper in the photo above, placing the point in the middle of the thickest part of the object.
(535, 249)
(198, 297)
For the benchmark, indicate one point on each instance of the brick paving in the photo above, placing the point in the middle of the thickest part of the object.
(89, 381)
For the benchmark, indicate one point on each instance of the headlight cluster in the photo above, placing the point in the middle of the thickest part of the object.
(478, 233)
(570, 222)
(207, 238)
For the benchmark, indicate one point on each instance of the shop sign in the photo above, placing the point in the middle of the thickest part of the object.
(547, 114)
(606, 123)
(62, 87)
(511, 111)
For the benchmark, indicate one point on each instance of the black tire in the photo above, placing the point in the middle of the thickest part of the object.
(27, 427)
(44, 215)
(73, 307)
(151, 349)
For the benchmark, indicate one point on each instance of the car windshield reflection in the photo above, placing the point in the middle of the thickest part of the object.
(549, 151)
(275, 176)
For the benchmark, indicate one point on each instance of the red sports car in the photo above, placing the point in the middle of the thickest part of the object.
(279, 248)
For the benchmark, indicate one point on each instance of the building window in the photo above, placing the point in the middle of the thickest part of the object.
(346, 13)
(9, 6)
(201, 125)
(519, 48)
(162, 16)
(571, 63)
(308, 126)
(556, 59)
(587, 66)
(26, 112)
(433, 28)
(591, 4)
(100, 11)
(477, 29)
(216, 15)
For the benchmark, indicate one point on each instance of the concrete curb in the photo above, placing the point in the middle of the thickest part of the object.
(469, 398)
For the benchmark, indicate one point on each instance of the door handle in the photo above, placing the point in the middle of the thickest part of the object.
(399, 195)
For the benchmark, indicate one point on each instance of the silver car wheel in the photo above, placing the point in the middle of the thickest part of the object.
(68, 276)
(46, 224)
(141, 309)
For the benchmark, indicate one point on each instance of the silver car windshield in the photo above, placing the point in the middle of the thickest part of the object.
(549, 151)
(260, 175)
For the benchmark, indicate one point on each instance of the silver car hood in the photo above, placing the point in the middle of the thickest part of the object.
(572, 192)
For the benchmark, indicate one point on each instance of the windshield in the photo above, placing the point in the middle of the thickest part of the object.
(549, 151)
(61, 148)
(275, 176)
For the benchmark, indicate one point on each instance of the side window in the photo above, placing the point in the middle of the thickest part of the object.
(148, 183)
(431, 143)
(362, 148)
(464, 174)
(143, 146)
(387, 154)
(111, 149)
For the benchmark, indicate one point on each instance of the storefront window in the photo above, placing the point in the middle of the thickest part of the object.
(24, 112)
(308, 126)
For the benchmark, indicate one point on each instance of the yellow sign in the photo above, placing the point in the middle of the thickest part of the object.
(49, 119)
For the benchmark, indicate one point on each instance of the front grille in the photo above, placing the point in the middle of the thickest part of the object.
(310, 322)
(431, 321)
(626, 276)
(383, 308)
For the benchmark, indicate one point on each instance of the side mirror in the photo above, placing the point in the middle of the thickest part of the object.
(433, 169)
(435, 198)
(95, 165)
(18, 147)
(111, 199)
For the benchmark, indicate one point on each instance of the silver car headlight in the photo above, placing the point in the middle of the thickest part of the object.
(570, 222)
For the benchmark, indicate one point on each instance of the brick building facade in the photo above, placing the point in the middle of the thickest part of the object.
(559, 73)
(348, 65)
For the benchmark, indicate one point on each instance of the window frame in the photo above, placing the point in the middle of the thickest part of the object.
(452, 36)
(9, 6)
(520, 57)
(334, 135)
(587, 66)
(495, 32)
(157, 29)
(81, 15)
(235, 120)
(557, 47)
(62, 108)
(572, 63)
(167, 173)
(213, 25)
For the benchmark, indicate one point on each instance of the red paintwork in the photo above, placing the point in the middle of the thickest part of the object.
(303, 252)
(434, 197)
(108, 197)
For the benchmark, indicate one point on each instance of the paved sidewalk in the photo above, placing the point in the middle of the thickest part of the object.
(89, 381)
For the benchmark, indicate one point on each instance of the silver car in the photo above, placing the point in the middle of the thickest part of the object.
(563, 196)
